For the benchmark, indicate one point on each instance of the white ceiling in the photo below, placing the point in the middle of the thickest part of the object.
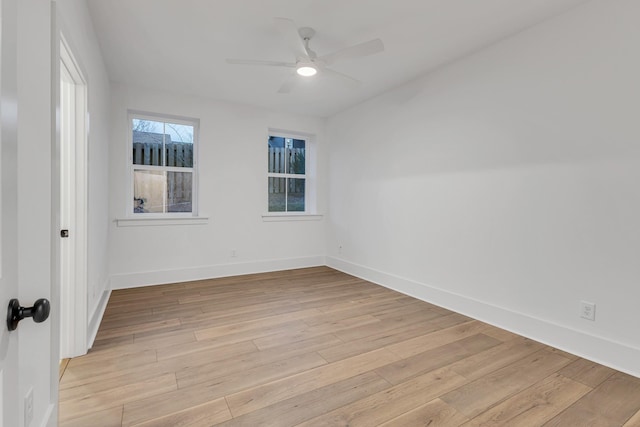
(180, 46)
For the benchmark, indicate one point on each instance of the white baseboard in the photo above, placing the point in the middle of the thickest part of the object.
(134, 280)
(96, 316)
(599, 349)
(50, 418)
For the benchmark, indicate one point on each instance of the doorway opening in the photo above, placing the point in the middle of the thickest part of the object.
(73, 205)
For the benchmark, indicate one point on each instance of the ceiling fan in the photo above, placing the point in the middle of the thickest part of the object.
(308, 63)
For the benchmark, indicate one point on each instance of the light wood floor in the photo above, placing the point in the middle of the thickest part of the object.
(316, 347)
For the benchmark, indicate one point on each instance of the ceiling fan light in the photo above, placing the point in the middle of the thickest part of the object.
(306, 70)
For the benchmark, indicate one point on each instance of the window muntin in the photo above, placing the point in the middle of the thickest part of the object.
(287, 179)
(163, 174)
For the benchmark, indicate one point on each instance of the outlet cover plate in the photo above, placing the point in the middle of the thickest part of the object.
(588, 310)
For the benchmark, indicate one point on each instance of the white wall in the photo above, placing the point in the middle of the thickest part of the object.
(77, 28)
(505, 185)
(233, 183)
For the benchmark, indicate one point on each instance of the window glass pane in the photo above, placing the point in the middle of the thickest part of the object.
(277, 194)
(179, 145)
(150, 126)
(295, 195)
(148, 191)
(179, 133)
(295, 156)
(179, 191)
(148, 138)
(159, 191)
(276, 154)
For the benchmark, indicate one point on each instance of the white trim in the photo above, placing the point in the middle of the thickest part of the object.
(50, 418)
(310, 189)
(74, 290)
(160, 277)
(619, 356)
(97, 315)
(156, 220)
(290, 216)
(165, 118)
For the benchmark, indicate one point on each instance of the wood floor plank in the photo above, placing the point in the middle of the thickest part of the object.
(436, 358)
(273, 392)
(497, 357)
(77, 367)
(307, 405)
(562, 353)
(136, 328)
(215, 331)
(192, 372)
(384, 338)
(432, 414)
(130, 354)
(249, 376)
(249, 312)
(373, 307)
(407, 308)
(318, 347)
(293, 335)
(475, 397)
(125, 376)
(388, 404)
(203, 415)
(100, 344)
(587, 372)
(634, 421)
(111, 417)
(500, 334)
(612, 403)
(91, 402)
(355, 305)
(167, 404)
(386, 324)
(422, 343)
(158, 341)
(535, 405)
(62, 367)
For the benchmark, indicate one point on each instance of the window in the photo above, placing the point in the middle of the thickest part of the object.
(287, 173)
(163, 165)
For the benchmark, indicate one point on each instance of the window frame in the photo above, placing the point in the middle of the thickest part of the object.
(165, 118)
(308, 176)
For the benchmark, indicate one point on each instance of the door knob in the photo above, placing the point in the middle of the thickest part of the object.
(39, 312)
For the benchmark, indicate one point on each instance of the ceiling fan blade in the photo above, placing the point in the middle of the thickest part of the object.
(289, 31)
(355, 51)
(288, 84)
(350, 81)
(259, 62)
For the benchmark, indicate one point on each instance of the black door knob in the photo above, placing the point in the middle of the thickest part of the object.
(39, 312)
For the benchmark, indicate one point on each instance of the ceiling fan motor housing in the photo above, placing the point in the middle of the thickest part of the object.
(306, 33)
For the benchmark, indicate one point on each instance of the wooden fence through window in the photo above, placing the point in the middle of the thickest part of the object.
(286, 160)
(179, 184)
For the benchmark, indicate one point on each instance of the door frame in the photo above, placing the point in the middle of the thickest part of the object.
(72, 262)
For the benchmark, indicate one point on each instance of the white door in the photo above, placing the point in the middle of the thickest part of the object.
(28, 355)
(8, 222)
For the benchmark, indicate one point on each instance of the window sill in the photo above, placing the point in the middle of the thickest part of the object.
(141, 222)
(277, 217)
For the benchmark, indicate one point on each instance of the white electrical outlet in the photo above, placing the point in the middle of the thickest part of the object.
(234, 253)
(28, 407)
(588, 310)
(339, 249)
